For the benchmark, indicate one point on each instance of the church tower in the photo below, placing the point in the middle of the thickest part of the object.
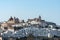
(39, 17)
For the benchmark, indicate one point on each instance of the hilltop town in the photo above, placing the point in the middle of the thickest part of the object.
(16, 22)
(13, 25)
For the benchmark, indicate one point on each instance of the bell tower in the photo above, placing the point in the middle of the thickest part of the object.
(11, 18)
(39, 17)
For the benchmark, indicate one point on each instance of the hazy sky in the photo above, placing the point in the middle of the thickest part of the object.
(24, 9)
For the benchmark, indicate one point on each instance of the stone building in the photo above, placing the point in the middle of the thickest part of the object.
(36, 22)
(7, 25)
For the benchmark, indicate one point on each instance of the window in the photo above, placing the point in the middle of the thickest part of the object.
(5, 28)
(5, 39)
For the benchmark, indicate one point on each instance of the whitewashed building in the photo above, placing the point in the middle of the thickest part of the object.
(32, 33)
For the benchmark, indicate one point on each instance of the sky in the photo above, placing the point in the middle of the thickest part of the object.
(49, 10)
